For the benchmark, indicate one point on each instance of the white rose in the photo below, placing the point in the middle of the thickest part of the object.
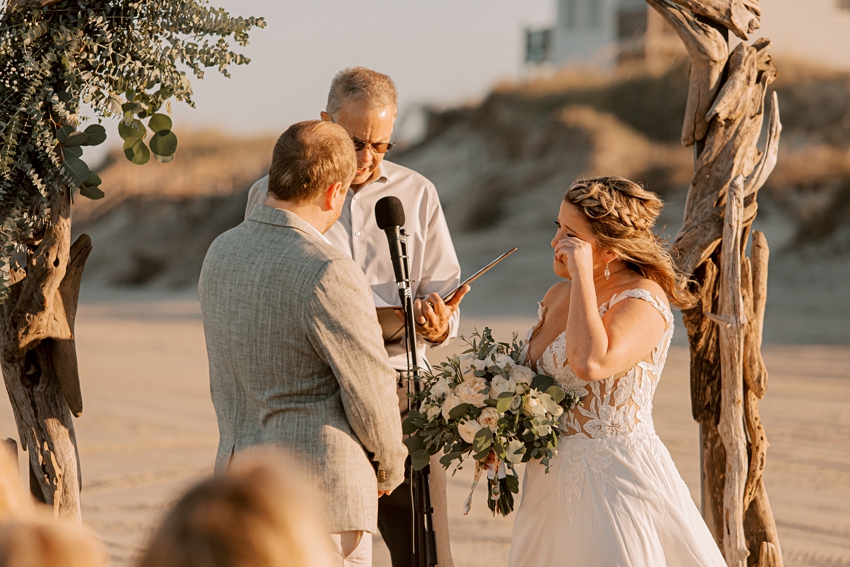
(489, 418)
(470, 365)
(516, 402)
(466, 361)
(515, 451)
(533, 407)
(499, 386)
(470, 392)
(430, 410)
(522, 374)
(468, 429)
(542, 430)
(450, 403)
(522, 387)
(440, 388)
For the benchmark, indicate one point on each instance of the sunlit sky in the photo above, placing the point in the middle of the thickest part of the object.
(439, 52)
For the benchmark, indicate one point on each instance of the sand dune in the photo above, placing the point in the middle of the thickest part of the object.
(148, 431)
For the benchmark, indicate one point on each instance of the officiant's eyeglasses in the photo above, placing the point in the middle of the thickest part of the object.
(377, 147)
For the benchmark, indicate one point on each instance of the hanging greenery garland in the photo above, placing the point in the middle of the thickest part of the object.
(124, 60)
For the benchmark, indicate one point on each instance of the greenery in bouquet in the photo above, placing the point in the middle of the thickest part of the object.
(486, 400)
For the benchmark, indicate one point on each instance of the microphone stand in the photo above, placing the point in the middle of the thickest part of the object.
(424, 538)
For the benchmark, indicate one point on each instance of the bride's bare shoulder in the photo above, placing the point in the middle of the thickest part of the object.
(557, 293)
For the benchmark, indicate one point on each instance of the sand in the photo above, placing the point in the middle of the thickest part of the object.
(148, 431)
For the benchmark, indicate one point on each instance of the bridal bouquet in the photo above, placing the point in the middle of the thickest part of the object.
(481, 401)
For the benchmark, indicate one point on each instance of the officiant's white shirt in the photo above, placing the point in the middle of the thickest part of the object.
(433, 261)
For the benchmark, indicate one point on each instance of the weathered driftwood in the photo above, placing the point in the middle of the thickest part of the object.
(736, 120)
(741, 17)
(708, 50)
(723, 120)
(731, 321)
(39, 361)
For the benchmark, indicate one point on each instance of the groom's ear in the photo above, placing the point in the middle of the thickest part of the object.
(333, 193)
(325, 117)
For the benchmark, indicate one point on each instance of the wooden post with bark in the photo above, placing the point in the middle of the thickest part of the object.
(724, 119)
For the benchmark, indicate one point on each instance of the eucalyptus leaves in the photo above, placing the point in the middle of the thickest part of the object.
(124, 59)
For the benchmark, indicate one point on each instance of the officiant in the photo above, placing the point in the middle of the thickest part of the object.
(365, 104)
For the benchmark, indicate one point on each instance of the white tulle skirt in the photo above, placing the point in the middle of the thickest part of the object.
(610, 503)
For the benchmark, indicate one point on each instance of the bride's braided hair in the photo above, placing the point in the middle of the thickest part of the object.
(621, 215)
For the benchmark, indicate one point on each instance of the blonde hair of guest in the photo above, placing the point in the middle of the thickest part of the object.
(622, 215)
(29, 537)
(15, 502)
(257, 514)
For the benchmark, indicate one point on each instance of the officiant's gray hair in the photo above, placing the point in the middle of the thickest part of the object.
(359, 84)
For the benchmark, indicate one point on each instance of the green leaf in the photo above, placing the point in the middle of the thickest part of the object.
(132, 129)
(63, 133)
(420, 459)
(114, 103)
(414, 443)
(504, 402)
(481, 455)
(93, 180)
(93, 193)
(447, 459)
(72, 151)
(556, 393)
(136, 151)
(407, 426)
(164, 144)
(160, 123)
(460, 410)
(163, 159)
(133, 106)
(76, 139)
(483, 440)
(95, 135)
(76, 169)
(542, 383)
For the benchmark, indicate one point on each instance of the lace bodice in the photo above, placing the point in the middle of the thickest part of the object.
(612, 407)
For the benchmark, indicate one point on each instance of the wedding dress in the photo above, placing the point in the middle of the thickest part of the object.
(612, 496)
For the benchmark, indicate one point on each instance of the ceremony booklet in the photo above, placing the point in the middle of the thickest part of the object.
(393, 327)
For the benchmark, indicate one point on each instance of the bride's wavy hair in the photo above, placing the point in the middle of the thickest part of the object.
(621, 215)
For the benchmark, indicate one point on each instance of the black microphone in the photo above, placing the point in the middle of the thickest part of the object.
(389, 213)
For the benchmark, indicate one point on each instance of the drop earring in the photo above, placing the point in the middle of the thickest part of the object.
(607, 272)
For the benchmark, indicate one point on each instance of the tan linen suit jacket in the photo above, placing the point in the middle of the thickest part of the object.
(297, 360)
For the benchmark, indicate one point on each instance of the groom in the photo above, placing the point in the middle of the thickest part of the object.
(365, 103)
(295, 351)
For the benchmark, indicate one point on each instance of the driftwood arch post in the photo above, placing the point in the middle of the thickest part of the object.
(723, 122)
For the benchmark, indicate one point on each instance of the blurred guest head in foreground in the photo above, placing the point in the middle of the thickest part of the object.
(45, 543)
(257, 514)
(29, 537)
(15, 501)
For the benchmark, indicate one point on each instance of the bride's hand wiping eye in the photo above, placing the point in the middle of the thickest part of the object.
(577, 254)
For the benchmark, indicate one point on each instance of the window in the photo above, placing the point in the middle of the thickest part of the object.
(631, 23)
(581, 15)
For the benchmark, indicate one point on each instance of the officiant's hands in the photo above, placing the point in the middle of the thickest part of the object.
(432, 315)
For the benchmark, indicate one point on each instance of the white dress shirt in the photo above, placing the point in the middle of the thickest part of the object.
(433, 261)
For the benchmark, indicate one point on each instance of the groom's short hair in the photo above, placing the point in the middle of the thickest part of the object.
(310, 157)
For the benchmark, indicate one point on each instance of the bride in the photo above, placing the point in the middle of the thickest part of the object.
(613, 496)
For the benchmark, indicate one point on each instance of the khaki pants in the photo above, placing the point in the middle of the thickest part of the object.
(352, 549)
